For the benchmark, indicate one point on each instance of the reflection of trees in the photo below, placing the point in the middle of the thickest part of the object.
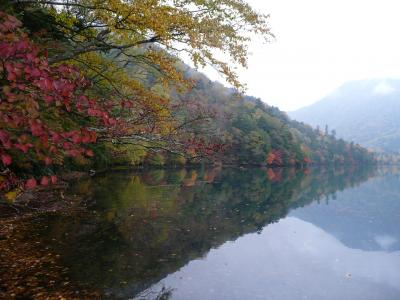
(146, 226)
(163, 294)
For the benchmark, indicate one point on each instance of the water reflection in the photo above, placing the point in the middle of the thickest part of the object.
(363, 217)
(153, 230)
(291, 259)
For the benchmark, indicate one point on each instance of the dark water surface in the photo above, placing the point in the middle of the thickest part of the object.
(233, 234)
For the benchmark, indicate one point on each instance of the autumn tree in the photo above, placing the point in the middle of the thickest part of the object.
(121, 46)
(79, 71)
(40, 107)
(200, 29)
(110, 39)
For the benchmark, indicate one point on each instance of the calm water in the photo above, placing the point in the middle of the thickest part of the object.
(233, 234)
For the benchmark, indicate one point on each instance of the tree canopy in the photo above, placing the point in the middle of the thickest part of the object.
(200, 29)
(76, 72)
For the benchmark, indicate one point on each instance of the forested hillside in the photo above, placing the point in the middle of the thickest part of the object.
(364, 111)
(87, 86)
(254, 133)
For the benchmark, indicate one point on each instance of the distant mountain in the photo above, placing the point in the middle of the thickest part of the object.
(365, 111)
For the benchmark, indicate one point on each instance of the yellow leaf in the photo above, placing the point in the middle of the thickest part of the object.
(13, 194)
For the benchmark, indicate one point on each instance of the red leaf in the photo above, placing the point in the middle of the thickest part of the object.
(31, 183)
(48, 161)
(56, 137)
(112, 122)
(4, 136)
(44, 181)
(76, 139)
(53, 149)
(35, 73)
(89, 152)
(92, 112)
(93, 136)
(23, 148)
(67, 146)
(53, 179)
(86, 138)
(6, 159)
(36, 128)
(73, 153)
(48, 99)
(11, 76)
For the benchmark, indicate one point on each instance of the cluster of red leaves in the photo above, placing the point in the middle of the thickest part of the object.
(201, 147)
(34, 98)
(275, 158)
(275, 175)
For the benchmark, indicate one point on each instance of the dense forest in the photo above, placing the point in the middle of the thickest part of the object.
(91, 86)
(254, 133)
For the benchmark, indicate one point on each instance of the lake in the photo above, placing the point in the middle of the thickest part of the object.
(225, 233)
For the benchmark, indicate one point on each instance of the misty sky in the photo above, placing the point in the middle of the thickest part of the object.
(319, 45)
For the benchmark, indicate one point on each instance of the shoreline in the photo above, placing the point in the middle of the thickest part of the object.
(53, 197)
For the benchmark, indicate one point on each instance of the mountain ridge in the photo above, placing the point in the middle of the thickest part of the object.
(362, 111)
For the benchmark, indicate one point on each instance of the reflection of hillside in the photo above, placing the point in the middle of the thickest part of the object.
(145, 226)
(364, 218)
(290, 259)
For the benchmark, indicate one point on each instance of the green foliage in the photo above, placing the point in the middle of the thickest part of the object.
(126, 154)
(156, 159)
(176, 160)
(255, 133)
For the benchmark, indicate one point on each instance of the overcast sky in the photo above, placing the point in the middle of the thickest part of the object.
(319, 45)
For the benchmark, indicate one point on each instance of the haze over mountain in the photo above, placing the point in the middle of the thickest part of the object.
(364, 111)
